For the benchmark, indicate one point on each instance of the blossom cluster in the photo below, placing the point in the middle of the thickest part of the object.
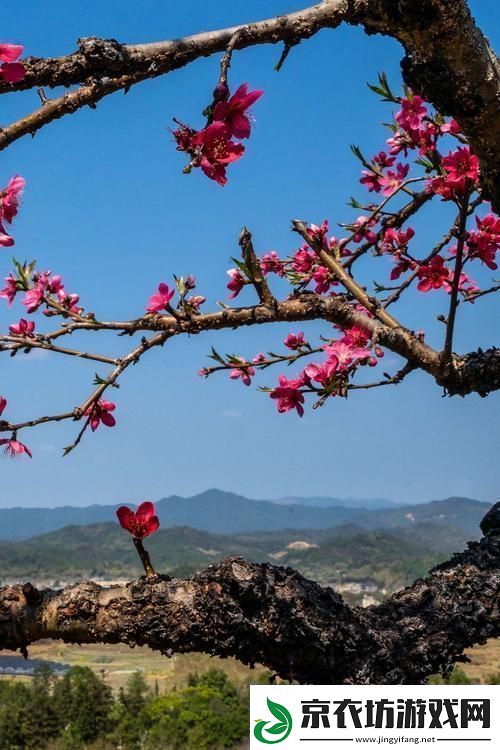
(452, 176)
(325, 378)
(40, 288)
(214, 147)
(190, 304)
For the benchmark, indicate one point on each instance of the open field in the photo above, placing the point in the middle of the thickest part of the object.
(115, 663)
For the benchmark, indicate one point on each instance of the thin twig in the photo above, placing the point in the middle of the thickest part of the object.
(450, 325)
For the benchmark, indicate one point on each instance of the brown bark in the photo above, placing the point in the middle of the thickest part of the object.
(270, 615)
(447, 59)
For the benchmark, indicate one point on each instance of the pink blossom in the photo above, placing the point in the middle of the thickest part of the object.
(11, 198)
(3, 404)
(295, 341)
(372, 180)
(271, 263)
(432, 275)
(259, 358)
(237, 282)
(100, 412)
(462, 169)
(23, 328)
(323, 279)
(160, 301)
(217, 151)
(356, 336)
(5, 239)
(395, 240)
(345, 354)
(69, 302)
(288, 395)
(51, 284)
(185, 138)
(233, 112)
(303, 260)
(399, 142)
(33, 299)
(362, 228)
(11, 70)
(140, 523)
(322, 373)
(318, 233)
(465, 285)
(485, 243)
(426, 138)
(383, 161)
(411, 113)
(10, 289)
(451, 127)
(402, 266)
(393, 179)
(245, 371)
(14, 449)
(195, 301)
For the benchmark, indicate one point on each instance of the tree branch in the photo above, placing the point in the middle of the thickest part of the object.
(264, 614)
(476, 372)
(447, 59)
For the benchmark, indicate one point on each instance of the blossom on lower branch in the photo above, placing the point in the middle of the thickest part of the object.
(14, 448)
(288, 395)
(159, 302)
(140, 523)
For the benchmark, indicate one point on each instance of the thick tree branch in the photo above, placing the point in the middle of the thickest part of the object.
(276, 617)
(447, 59)
(476, 372)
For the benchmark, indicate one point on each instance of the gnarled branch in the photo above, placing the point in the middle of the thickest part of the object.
(447, 59)
(264, 614)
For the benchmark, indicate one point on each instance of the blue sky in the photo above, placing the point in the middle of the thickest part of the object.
(108, 207)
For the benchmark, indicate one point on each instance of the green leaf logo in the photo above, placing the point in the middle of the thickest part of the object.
(283, 726)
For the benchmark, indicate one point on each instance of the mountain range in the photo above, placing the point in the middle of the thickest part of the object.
(385, 559)
(221, 512)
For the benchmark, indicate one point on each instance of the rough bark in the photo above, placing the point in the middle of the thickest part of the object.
(476, 372)
(274, 616)
(447, 59)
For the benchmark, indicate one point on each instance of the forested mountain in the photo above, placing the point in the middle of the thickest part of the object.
(227, 513)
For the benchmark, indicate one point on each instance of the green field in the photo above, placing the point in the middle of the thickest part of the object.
(115, 663)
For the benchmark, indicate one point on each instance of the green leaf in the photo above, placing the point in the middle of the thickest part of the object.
(353, 203)
(215, 355)
(383, 89)
(279, 712)
(277, 729)
(242, 266)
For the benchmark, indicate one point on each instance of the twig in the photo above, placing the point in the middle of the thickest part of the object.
(347, 281)
(450, 325)
(252, 263)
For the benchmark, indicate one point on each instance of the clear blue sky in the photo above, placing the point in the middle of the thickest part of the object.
(107, 206)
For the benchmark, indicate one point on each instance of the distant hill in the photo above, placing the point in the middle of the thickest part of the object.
(350, 502)
(387, 559)
(221, 512)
